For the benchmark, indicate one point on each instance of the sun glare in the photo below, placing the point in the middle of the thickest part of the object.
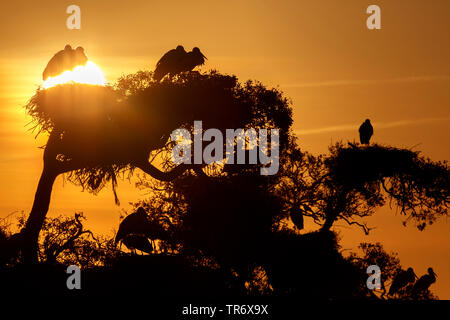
(89, 74)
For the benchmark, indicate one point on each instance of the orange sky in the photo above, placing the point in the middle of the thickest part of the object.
(320, 53)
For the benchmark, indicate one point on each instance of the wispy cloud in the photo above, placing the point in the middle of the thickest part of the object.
(377, 125)
(334, 83)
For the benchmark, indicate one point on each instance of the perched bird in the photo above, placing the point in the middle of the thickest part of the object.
(79, 57)
(365, 132)
(297, 218)
(64, 60)
(178, 60)
(170, 63)
(401, 280)
(136, 230)
(193, 59)
(135, 223)
(424, 282)
(137, 242)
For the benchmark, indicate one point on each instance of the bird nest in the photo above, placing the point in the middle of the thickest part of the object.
(359, 164)
(407, 170)
(68, 106)
(137, 102)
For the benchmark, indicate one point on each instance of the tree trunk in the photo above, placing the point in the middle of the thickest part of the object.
(328, 222)
(37, 215)
(334, 209)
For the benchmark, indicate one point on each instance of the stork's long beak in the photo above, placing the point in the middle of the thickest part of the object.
(204, 56)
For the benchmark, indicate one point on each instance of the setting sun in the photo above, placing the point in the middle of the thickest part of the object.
(88, 74)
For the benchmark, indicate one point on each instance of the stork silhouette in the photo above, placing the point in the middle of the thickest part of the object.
(365, 132)
(135, 223)
(424, 282)
(135, 230)
(401, 280)
(176, 61)
(79, 57)
(64, 60)
(296, 216)
(193, 59)
(137, 242)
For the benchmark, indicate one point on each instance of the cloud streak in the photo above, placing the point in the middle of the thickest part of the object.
(377, 125)
(335, 83)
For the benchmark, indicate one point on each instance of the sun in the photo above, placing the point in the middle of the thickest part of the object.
(88, 74)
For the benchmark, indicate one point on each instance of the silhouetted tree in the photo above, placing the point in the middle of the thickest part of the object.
(96, 133)
(351, 182)
(223, 223)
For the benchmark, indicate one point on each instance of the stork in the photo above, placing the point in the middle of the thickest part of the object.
(79, 57)
(365, 132)
(135, 223)
(401, 280)
(193, 59)
(170, 63)
(297, 218)
(178, 60)
(138, 225)
(424, 282)
(139, 242)
(64, 60)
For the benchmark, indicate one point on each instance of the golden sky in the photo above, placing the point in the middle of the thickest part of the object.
(320, 53)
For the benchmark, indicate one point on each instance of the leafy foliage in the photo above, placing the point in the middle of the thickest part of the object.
(351, 182)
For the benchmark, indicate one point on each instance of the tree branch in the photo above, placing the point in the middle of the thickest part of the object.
(362, 225)
(161, 175)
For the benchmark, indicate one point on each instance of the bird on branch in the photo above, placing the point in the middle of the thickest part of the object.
(178, 60)
(365, 132)
(424, 282)
(401, 280)
(65, 60)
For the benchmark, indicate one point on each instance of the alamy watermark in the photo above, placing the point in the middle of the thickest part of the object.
(373, 22)
(252, 142)
(74, 280)
(374, 280)
(74, 20)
